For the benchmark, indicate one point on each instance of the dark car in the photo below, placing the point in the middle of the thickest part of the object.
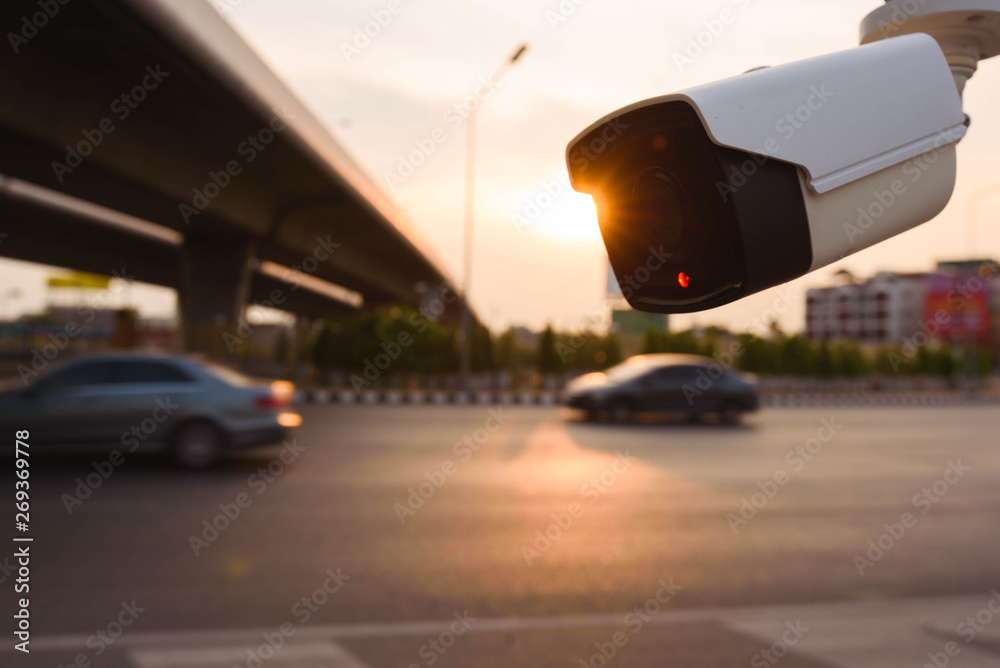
(147, 403)
(690, 385)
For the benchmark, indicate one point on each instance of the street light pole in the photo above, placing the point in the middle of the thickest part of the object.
(469, 219)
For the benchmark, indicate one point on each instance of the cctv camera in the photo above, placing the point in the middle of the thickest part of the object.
(720, 191)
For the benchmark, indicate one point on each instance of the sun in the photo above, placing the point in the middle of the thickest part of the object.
(571, 217)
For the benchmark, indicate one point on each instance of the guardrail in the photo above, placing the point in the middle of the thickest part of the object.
(548, 398)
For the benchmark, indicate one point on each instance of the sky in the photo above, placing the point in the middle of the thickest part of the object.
(538, 257)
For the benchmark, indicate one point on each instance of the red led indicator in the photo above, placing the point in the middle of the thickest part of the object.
(683, 279)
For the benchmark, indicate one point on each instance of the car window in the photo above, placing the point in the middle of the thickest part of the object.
(689, 373)
(228, 375)
(84, 373)
(674, 373)
(626, 371)
(148, 372)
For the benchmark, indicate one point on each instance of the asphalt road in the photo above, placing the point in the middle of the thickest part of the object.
(539, 537)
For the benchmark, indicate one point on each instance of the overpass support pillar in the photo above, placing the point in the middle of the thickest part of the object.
(215, 287)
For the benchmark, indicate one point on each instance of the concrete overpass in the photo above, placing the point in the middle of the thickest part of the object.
(147, 134)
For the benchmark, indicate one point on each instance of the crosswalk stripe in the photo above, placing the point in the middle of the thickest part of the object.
(326, 654)
(912, 611)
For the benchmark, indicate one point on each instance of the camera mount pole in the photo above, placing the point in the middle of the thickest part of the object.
(967, 30)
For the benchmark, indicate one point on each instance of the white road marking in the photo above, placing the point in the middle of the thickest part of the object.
(300, 655)
(844, 634)
(878, 636)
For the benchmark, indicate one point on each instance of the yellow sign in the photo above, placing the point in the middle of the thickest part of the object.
(80, 280)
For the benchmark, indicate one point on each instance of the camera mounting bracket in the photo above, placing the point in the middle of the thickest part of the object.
(967, 30)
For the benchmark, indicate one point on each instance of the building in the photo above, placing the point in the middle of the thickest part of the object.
(885, 309)
(956, 302)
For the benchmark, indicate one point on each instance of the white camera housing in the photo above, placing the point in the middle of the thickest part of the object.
(809, 161)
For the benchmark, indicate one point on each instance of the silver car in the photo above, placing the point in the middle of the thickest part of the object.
(132, 403)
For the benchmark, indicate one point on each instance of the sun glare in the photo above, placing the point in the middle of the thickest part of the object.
(573, 217)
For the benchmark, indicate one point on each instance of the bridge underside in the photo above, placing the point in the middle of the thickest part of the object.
(159, 111)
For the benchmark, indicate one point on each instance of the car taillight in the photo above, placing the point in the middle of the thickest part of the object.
(268, 401)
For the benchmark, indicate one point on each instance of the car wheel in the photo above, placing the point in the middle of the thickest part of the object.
(730, 413)
(197, 445)
(621, 411)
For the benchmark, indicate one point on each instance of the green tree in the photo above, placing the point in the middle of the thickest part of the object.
(797, 357)
(758, 355)
(282, 348)
(612, 349)
(947, 366)
(506, 350)
(482, 350)
(434, 348)
(682, 342)
(851, 360)
(984, 362)
(548, 360)
(823, 361)
(709, 344)
(889, 361)
(652, 342)
(325, 352)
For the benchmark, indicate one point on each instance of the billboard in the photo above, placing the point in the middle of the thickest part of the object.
(960, 304)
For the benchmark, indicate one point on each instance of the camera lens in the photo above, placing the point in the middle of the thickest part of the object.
(659, 206)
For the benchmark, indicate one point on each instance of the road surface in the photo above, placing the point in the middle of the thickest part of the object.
(512, 536)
